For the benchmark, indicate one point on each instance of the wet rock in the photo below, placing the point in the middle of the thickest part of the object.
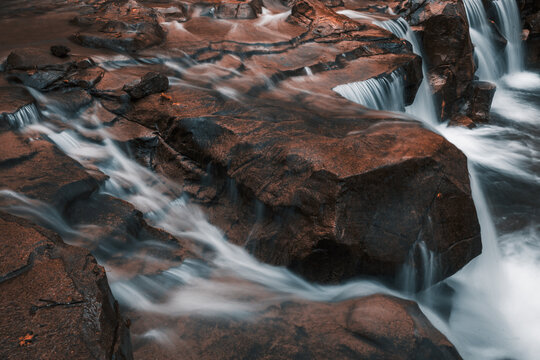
(321, 20)
(462, 120)
(151, 83)
(238, 9)
(60, 51)
(374, 327)
(447, 48)
(123, 26)
(55, 301)
(37, 169)
(532, 43)
(331, 195)
(480, 95)
(333, 3)
(113, 227)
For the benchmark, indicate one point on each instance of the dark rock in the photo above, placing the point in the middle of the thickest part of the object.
(480, 95)
(60, 51)
(337, 196)
(333, 3)
(55, 301)
(122, 26)
(151, 83)
(374, 327)
(532, 43)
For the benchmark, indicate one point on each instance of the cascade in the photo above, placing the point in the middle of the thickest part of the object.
(26, 115)
(510, 25)
(481, 32)
(423, 106)
(381, 93)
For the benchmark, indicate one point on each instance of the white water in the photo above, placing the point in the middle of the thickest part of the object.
(510, 24)
(23, 117)
(495, 306)
(381, 93)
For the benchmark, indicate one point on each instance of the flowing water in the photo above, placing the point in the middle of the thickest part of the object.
(489, 310)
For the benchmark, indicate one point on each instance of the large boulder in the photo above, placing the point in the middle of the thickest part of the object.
(374, 327)
(329, 195)
(55, 302)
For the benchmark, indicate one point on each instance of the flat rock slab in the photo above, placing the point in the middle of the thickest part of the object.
(55, 302)
(375, 327)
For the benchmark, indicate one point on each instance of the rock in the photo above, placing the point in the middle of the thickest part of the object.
(337, 195)
(480, 95)
(447, 48)
(321, 20)
(55, 302)
(37, 169)
(151, 83)
(532, 43)
(115, 227)
(333, 3)
(60, 51)
(374, 327)
(462, 120)
(123, 26)
(247, 9)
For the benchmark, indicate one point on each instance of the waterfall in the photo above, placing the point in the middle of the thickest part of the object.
(381, 93)
(423, 106)
(482, 35)
(26, 115)
(510, 25)
(490, 67)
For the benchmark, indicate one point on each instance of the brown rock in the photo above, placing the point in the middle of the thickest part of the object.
(55, 302)
(123, 26)
(338, 195)
(150, 83)
(238, 9)
(462, 120)
(321, 20)
(39, 170)
(60, 51)
(480, 95)
(374, 327)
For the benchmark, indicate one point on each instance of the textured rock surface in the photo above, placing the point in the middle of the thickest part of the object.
(375, 327)
(55, 302)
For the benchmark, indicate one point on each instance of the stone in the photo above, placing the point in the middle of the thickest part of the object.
(124, 26)
(480, 95)
(55, 302)
(60, 51)
(373, 327)
(150, 83)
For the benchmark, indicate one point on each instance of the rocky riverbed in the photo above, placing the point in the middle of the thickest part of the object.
(230, 108)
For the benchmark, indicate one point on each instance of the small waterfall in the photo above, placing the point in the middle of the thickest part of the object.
(26, 115)
(421, 269)
(510, 25)
(481, 32)
(381, 93)
(423, 106)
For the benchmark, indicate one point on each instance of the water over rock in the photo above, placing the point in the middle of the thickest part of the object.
(375, 327)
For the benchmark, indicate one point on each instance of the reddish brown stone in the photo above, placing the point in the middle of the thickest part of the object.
(374, 327)
(55, 302)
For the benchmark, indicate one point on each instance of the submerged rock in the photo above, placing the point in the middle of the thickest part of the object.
(60, 50)
(55, 302)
